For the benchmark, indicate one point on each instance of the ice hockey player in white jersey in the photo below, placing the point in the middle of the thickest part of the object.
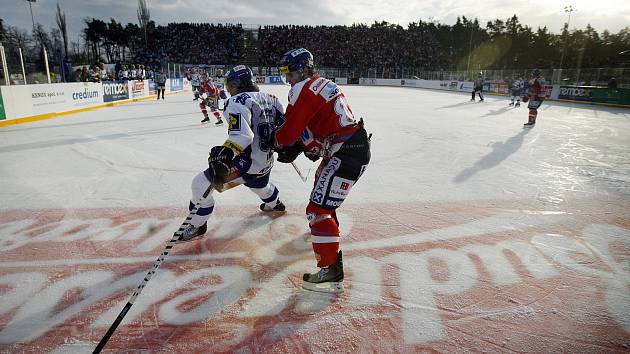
(246, 157)
(516, 91)
(195, 82)
(218, 82)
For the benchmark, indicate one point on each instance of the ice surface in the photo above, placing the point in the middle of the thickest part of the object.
(466, 232)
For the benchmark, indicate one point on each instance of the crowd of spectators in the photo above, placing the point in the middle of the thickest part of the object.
(192, 43)
(358, 46)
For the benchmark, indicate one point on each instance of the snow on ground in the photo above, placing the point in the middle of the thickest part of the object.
(466, 233)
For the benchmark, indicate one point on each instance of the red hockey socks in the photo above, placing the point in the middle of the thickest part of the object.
(532, 115)
(325, 234)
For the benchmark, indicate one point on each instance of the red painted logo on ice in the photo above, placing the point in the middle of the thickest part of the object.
(447, 277)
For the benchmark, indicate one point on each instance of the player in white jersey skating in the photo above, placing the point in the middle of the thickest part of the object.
(246, 156)
(516, 91)
(195, 82)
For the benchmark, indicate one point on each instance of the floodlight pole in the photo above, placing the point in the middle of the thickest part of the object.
(567, 9)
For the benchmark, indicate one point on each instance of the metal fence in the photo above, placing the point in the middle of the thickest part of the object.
(586, 76)
(36, 65)
(26, 65)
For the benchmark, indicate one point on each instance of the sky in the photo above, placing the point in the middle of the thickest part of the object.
(612, 15)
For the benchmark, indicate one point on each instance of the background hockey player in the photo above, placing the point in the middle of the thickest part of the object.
(320, 123)
(246, 156)
(478, 87)
(195, 82)
(535, 96)
(209, 98)
(516, 90)
(160, 83)
(219, 83)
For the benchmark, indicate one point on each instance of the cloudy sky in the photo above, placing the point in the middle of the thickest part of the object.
(612, 15)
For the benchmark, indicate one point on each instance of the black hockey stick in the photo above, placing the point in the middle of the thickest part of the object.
(156, 265)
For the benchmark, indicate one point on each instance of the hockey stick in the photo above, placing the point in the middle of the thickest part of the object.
(156, 265)
(302, 177)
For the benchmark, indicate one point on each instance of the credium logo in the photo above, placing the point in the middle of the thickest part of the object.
(85, 94)
(416, 280)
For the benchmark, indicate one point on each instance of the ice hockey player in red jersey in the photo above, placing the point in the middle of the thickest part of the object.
(535, 96)
(320, 124)
(210, 97)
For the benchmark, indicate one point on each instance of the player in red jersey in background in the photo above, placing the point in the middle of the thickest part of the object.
(209, 97)
(535, 96)
(319, 123)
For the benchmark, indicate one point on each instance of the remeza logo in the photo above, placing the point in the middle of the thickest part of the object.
(115, 91)
(115, 88)
(322, 183)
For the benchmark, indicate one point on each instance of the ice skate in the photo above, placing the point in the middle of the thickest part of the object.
(511, 103)
(219, 122)
(279, 206)
(518, 104)
(529, 125)
(192, 233)
(327, 280)
(205, 120)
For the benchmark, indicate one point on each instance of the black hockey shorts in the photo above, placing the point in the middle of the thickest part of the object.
(341, 171)
(534, 104)
(516, 92)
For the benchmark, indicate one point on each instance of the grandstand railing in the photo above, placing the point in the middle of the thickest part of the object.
(586, 76)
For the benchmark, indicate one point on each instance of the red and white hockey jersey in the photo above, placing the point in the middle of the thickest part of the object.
(210, 89)
(318, 116)
(536, 89)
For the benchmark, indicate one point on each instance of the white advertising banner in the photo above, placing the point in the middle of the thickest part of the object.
(82, 94)
(47, 98)
(139, 88)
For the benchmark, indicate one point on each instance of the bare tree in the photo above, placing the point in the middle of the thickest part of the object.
(61, 24)
(144, 16)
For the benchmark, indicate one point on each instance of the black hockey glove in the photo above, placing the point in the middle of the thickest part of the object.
(288, 154)
(311, 156)
(219, 162)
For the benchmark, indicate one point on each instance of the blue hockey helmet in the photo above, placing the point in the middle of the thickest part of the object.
(240, 76)
(295, 60)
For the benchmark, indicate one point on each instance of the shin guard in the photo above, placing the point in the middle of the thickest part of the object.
(325, 234)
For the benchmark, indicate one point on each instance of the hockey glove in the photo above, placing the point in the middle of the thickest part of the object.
(288, 154)
(219, 162)
(525, 98)
(311, 156)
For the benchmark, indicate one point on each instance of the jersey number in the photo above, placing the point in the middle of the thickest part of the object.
(264, 136)
(343, 111)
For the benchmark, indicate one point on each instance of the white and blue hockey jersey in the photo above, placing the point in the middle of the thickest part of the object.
(251, 117)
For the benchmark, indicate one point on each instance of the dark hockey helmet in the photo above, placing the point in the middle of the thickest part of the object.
(295, 60)
(240, 76)
(536, 73)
